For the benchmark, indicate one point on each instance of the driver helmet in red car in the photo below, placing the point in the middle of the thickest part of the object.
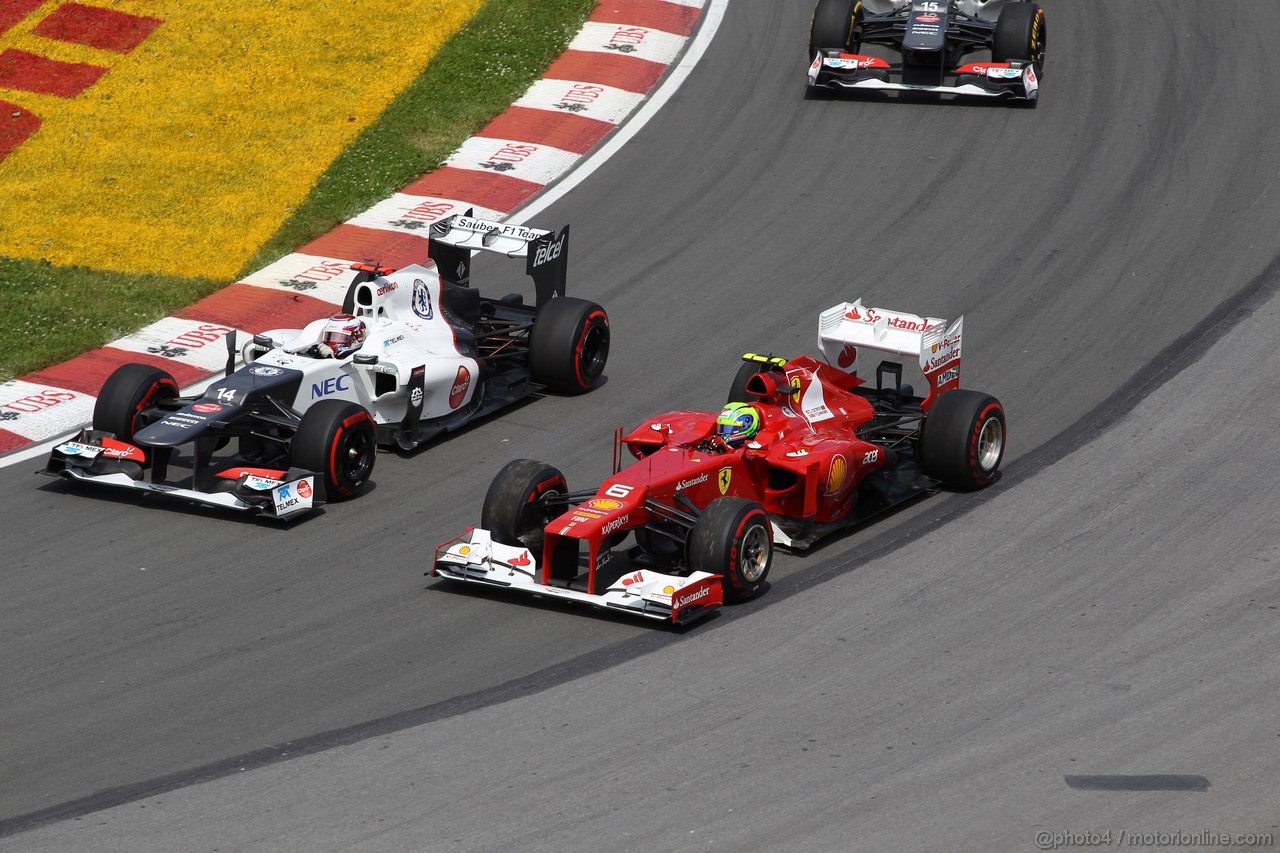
(344, 334)
(737, 423)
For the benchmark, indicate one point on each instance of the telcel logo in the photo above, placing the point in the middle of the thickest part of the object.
(549, 251)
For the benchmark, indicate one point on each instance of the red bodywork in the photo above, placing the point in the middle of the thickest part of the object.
(806, 462)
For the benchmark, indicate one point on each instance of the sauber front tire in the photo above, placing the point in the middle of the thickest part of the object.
(1020, 34)
(569, 345)
(127, 392)
(733, 538)
(832, 26)
(338, 440)
(963, 439)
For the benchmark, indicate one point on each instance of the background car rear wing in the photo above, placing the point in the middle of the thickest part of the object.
(547, 253)
(843, 328)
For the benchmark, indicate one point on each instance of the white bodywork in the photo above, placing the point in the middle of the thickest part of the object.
(644, 592)
(405, 328)
(934, 343)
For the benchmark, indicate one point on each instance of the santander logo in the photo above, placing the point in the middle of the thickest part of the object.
(686, 600)
(461, 383)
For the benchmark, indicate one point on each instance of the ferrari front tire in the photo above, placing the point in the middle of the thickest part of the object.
(515, 507)
(733, 538)
(128, 391)
(569, 345)
(962, 443)
(339, 441)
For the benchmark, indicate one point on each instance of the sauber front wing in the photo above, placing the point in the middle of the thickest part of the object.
(474, 557)
(1015, 80)
(92, 458)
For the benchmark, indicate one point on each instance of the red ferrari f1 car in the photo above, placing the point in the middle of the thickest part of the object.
(805, 448)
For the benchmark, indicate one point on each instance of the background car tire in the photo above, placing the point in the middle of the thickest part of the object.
(127, 391)
(733, 538)
(963, 439)
(1020, 34)
(514, 512)
(832, 26)
(338, 440)
(569, 345)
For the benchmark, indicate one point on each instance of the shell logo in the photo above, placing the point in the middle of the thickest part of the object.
(604, 503)
(836, 475)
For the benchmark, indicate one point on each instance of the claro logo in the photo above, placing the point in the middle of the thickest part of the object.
(461, 383)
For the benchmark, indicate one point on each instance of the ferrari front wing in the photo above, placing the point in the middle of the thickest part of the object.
(475, 558)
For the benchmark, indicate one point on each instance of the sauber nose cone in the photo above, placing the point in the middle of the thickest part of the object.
(182, 426)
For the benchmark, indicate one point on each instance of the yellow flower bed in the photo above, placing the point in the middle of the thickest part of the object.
(195, 146)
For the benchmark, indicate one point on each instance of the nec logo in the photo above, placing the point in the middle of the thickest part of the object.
(549, 251)
(330, 386)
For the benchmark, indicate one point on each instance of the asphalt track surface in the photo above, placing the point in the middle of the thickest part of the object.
(940, 680)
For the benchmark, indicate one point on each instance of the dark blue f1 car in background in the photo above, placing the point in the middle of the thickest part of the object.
(924, 44)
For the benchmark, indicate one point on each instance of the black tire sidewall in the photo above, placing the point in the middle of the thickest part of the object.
(832, 21)
(952, 430)
(127, 391)
(558, 354)
(716, 540)
(1013, 38)
(328, 430)
(510, 499)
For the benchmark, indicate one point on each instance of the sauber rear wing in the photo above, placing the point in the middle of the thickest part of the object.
(547, 253)
(845, 327)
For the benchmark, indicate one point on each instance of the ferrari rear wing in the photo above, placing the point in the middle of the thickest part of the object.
(843, 328)
(546, 253)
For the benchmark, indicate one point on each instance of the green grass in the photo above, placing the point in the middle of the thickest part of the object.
(49, 314)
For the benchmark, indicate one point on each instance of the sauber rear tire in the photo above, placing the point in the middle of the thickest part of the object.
(338, 440)
(569, 345)
(733, 538)
(832, 26)
(963, 439)
(1020, 34)
(515, 509)
(126, 393)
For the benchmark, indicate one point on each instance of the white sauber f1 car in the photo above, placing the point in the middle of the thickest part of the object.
(415, 352)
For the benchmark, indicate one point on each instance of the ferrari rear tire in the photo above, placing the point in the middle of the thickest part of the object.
(963, 439)
(569, 345)
(126, 394)
(733, 538)
(832, 26)
(338, 440)
(515, 507)
(1020, 34)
